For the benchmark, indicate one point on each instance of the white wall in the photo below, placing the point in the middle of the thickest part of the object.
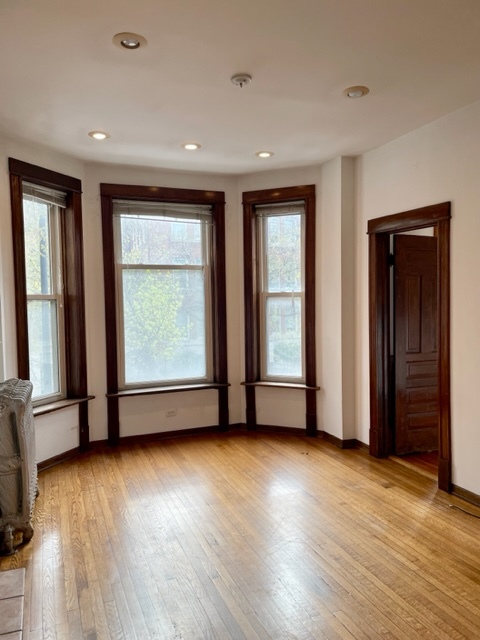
(348, 297)
(329, 302)
(437, 163)
(336, 297)
(56, 433)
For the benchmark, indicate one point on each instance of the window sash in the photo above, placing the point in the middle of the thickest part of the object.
(52, 199)
(263, 213)
(44, 353)
(266, 338)
(204, 268)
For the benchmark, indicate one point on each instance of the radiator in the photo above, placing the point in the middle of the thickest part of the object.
(18, 467)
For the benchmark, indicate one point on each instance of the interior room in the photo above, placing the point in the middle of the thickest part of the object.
(244, 504)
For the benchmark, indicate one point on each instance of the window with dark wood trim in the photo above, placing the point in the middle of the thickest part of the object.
(71, 241)
(254, 203)
(218, 377)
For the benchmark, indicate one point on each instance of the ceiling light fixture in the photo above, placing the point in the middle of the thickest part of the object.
(356, 92)
(241, 79)
(99, 135)
(129, 41)
(264, 154)
(191, 146)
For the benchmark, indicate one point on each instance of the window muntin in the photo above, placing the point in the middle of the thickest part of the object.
(42, 209)
(162, 256)
(281, 249)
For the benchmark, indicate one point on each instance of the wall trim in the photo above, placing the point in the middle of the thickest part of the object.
(144, 438)
(338, 442)
(61, 457)
(270, 428)
(241, 427)
(469, 496)
(51, 407)
(381, 389)
(362, 446)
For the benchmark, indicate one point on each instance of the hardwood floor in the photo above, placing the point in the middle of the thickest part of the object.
(247, 536)
(425, 462)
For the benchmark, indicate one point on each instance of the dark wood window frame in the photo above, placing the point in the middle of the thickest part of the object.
(74, 297)
(379, 231)
(251, 199)
(216, 199)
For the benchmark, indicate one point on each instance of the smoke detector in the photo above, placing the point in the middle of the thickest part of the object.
(241, 79)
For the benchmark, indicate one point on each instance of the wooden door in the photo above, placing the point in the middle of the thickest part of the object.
(416, 351)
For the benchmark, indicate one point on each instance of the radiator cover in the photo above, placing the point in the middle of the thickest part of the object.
(18, 466)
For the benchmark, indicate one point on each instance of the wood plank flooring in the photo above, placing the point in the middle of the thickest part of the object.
(247, 536)
(426, 462)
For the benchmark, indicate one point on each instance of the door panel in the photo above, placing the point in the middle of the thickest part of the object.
(416, 357)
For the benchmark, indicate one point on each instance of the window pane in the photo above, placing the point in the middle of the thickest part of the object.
(283, 250)
(284, 337)
(43, 346)
(157, 240)
(37, 247)
(164, 325)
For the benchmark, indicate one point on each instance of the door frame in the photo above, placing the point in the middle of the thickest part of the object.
(379, 231)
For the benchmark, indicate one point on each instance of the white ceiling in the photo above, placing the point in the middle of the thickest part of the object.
(61, 77)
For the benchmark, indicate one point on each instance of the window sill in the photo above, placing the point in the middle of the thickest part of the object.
(125, 393)
(279, 385)
(42, 409)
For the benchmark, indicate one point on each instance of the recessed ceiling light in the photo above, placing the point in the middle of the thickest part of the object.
(128, 40)
(99, 135)
(264, 154)
(191, 146)
(356, 92)
(130, 43)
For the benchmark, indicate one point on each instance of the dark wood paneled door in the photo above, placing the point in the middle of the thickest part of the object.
(416, 349)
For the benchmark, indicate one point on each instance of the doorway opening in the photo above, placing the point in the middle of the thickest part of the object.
(433, 371)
